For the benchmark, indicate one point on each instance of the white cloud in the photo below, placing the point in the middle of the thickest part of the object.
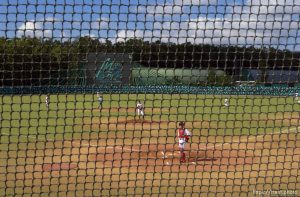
(124, 35)
(62, 30)
(259, 22)
(271, 22)
(33, 29)
(273, 2)
(94, 36)
(91, 35)
(159, 9)
(195, 2)
(101, 23)
(171, 7)
(39, 28)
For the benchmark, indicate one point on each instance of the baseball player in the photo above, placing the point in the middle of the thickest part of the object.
(296, 96)
(47, 100)
(226, 102)
(100, 100)
(183, 135)
(140, 109)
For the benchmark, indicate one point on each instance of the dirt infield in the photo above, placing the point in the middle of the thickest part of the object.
(268, 149)
(109, 166)
(151, 158)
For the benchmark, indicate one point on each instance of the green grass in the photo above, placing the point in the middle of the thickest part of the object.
(28, 116)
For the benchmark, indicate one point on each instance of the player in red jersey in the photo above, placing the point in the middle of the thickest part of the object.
(183, 135)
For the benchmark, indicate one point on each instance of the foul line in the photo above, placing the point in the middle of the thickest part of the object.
(24, 136)
(254, 137)
(76, 143)
(163, 154)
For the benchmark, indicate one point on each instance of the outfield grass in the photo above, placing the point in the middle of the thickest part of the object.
(27, 115)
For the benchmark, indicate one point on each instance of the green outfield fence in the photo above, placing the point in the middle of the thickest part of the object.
(210, 90)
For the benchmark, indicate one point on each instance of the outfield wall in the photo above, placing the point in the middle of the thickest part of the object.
(211, 90)
(164, 76)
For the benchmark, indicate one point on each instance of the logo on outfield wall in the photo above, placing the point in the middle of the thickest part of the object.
(109, 71)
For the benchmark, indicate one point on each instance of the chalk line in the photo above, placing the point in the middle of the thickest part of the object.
(164, 155)
(76, 143)
(24, 136)
(254, 137)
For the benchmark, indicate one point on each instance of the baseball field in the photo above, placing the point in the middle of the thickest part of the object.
(76, 148)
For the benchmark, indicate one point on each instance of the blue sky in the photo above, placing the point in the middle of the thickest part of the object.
(234, 22)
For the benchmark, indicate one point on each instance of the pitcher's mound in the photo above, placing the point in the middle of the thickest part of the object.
(142, 121)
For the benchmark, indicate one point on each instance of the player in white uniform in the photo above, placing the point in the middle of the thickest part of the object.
(226, 102)
(100, 100)
(47, 101)
(140, 109)
(296, 96)
(183, 137)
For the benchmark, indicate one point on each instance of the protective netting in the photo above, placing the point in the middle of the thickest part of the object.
(158, 97)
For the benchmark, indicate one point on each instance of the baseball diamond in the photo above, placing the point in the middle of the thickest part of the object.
(114, 144)
(149, 98)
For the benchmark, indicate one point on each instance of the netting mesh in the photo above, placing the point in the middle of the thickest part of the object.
(158, 97)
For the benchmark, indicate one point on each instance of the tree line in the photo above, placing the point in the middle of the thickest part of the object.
(33, 61)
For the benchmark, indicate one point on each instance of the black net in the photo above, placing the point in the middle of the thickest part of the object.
(158, 97)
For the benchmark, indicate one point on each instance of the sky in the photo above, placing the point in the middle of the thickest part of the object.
(259, 23)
